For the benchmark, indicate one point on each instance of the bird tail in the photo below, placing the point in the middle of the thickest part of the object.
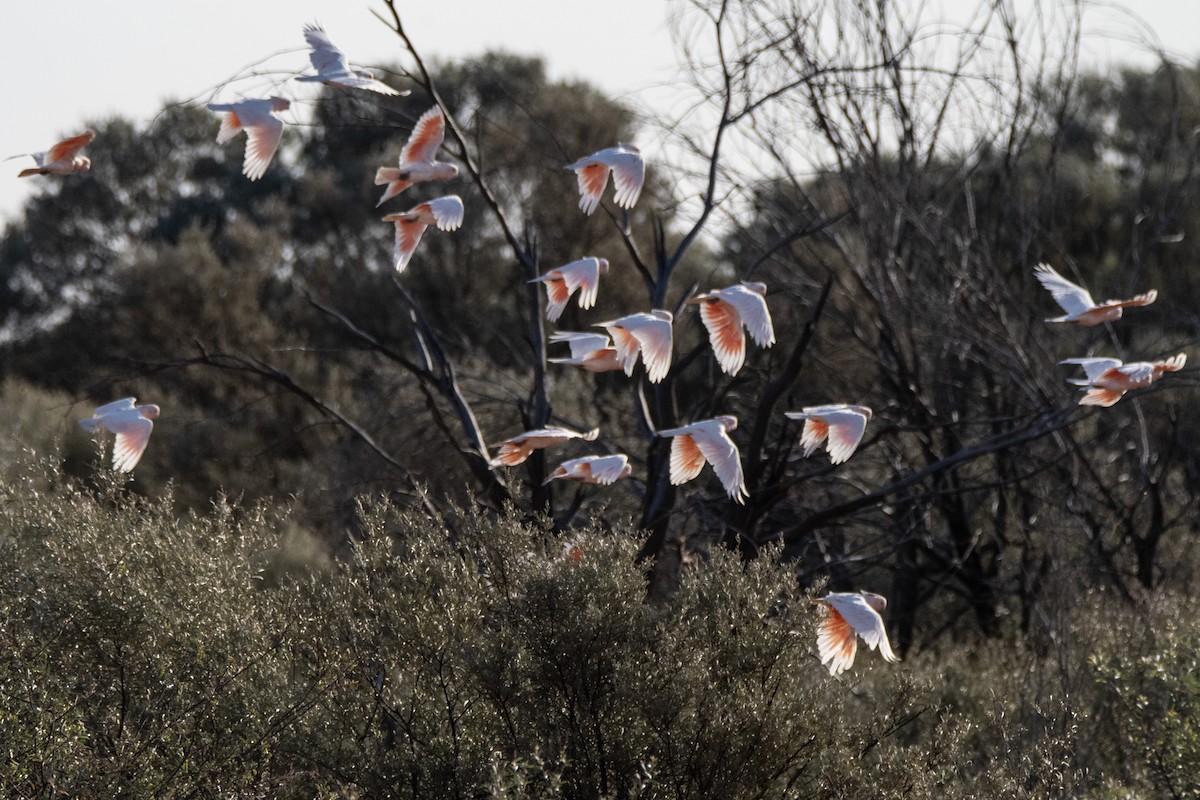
(394, 180)
(25, 173)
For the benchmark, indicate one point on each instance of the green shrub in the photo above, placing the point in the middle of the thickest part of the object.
(1155, 699)
(148, 654)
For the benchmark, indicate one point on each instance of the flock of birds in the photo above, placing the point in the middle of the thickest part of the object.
(728, 315)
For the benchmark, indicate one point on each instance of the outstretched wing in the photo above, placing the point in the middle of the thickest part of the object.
(752, 308)
(66, 149)
(846, 427)
(448, 211)
(326, 58)
(836, 642)
(724, 326)
(133, 434)
(1073, 298)
(426, 138)
(608, 469)
(723, 454)
(629, 173)
(865, 621)
(686, 458)
(262, 140)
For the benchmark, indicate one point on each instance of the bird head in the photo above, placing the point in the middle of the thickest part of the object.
(149, 411)
(280, 103)
(875, 601)
(728, 422)
(602, 266)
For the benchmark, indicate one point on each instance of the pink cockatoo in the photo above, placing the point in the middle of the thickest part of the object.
(1078, 303)
(603, 470)
(593, 352)
(562, 282)
(629, 173)
(418, 159)
(708, 441)
(62, 159)
(725, 312)
(843, 425)
(445, 212)
(646, 333)
(851, 615)
(263, 130)
(334, 70)
(514, 451)
(1108, 379)
(131, 423)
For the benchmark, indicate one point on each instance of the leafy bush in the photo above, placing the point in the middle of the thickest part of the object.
(147, 654)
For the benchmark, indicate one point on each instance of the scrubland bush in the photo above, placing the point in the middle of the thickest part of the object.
(147, 654)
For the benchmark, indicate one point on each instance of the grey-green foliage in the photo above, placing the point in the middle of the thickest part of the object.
(147, 654)
(1156, 709)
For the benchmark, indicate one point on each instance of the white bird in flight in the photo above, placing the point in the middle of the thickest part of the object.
(1078, 303)
(603, 470)
(62, 159)
(131, 423)
(263, 130)
(708, 441)
(593, 352)
(445, 212)
(850, 615)
(562, 282)
(334, 70)
(725, 312)
(628, 170)
(1108, 379)
(646, 333)
(843, 425)
(514, 451)
(418, 159)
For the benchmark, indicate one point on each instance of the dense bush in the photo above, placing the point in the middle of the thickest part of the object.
(144, 654)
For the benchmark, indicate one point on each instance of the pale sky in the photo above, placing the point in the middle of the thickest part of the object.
(92, 59)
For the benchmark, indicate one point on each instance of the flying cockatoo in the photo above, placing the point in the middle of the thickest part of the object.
(1108, 379)
(418, 159)
(131, 423)
(263, 130)
(725, 312)
(1078, 303)
(562, 282)
(62, 159)
(445, 212)
(842, 424)
(514, 451)
(604, 470)
(851, 614)
(591, 351)
(707, 441)
(647, 333)
(629, 173)
(334, 70)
